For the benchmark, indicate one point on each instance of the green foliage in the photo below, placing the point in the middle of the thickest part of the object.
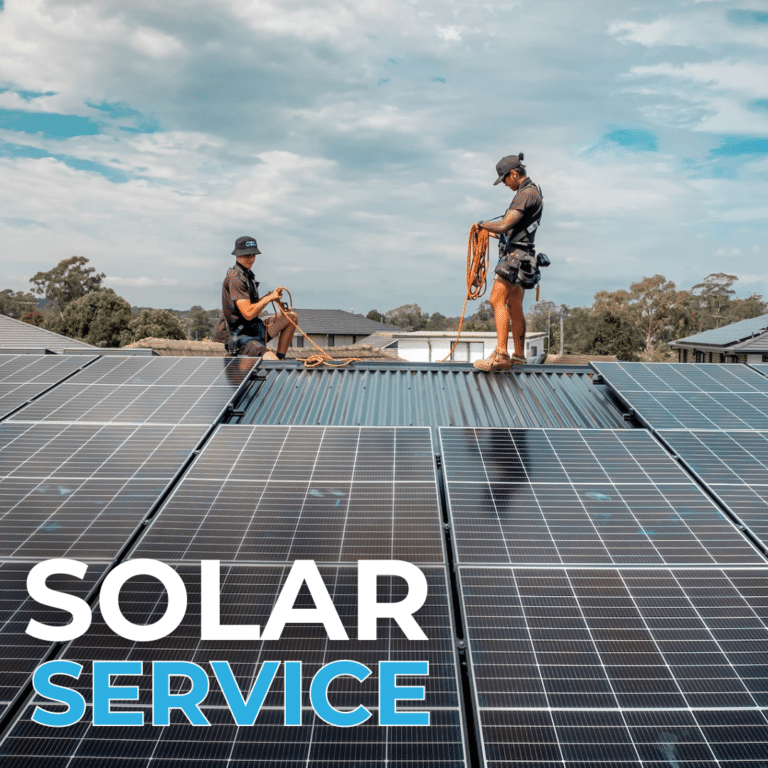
(408, 316)
(67, 281)
(98, 318)
(35, 317)
(198, 323)
(376, 316)
(16, 304)
(155, 324)
(618, 336)
(482, 320)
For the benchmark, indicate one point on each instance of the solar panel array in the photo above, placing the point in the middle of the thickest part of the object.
(612, 614)
(23, 377)
(136, 390)
(691, 395)
(279, 494)
(734, 465)
(580, 497)
(260, 498)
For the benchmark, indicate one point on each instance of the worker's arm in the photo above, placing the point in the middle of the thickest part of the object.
(497, 227)
(249, 311)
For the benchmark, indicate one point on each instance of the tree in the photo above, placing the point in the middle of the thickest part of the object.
(376, 316)
(744, 309)
(97, 318)
(482, 320)
(35, 317)
(67, 281)
(15, 304)
(614, 335)
(154, 324)
(408, 316)
(199, 324)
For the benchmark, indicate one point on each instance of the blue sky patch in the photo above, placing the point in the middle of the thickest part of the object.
(52, 126)
(438, 79)
(761, 105)
(635, 140)
(743, 17)
(78, 164)
(118, 109)
(29, 95)
(735, 146)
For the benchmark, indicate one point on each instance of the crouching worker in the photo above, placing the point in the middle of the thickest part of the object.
(240, 327)
(517, 262)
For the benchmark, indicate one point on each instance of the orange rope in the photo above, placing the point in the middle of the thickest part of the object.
(313, 361)
(477, 269)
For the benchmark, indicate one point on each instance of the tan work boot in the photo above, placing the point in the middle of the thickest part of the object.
(498, 360)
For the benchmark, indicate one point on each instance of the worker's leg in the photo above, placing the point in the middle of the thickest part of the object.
(515, 295)
(501, 294)
(281, 326)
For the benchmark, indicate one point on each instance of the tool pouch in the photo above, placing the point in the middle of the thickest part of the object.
(522, 268)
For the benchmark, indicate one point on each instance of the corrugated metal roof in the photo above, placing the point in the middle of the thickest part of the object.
(17, 335)
(728, 334)
(429, 394)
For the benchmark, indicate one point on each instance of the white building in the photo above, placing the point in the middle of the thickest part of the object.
(433, 346)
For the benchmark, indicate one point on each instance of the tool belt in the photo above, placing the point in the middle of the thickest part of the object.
(522, 267)
(240, 335)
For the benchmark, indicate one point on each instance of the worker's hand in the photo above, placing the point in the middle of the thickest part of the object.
(276, 295)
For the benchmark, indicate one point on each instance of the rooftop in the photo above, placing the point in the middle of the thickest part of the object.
(727, 335)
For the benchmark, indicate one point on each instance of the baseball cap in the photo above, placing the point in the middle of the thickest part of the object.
(245, 246)
(507, 164)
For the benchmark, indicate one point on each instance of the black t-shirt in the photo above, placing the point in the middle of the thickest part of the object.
(529, 202)
(239, 284)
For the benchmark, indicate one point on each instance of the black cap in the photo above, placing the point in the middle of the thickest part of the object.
(507, 164)
(245, 246)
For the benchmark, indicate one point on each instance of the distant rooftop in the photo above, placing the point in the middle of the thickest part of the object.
(17, 335)
(732, 333)
(337, 321)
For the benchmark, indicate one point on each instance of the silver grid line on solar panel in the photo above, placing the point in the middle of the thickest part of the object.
(614, 497)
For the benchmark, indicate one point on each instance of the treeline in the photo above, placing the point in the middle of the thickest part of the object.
(71, 299)
(633, 324)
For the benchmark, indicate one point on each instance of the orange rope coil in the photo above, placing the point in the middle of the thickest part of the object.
(477, 270)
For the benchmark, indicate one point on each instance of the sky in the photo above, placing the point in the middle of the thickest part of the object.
(356, 141)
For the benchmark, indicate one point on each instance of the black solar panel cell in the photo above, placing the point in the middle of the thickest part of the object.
(267, 494)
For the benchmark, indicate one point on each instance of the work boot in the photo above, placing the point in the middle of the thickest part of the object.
(498, 360)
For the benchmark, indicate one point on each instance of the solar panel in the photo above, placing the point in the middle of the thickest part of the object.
(734, 465)
(134, 390)
(760, 367)
(278, 494)
(248, 594)
(23, 377)
(81, 491)
(618, 667)
(579, 497)
(691, 395)
(20, 653)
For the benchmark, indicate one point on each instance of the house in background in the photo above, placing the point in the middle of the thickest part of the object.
(743, 342)
(433, 346)
(334, 328)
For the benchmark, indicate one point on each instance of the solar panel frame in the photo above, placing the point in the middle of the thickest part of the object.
(690, 395)
(270, 494)
(444, 743)
(579, 497)
(569, 665)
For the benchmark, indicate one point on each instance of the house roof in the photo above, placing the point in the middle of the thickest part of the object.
(429, 394)
(17, 335)
(728, 335)
(337, 321)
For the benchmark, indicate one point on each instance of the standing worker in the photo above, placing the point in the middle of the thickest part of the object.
(517, 260)
(240, 326)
